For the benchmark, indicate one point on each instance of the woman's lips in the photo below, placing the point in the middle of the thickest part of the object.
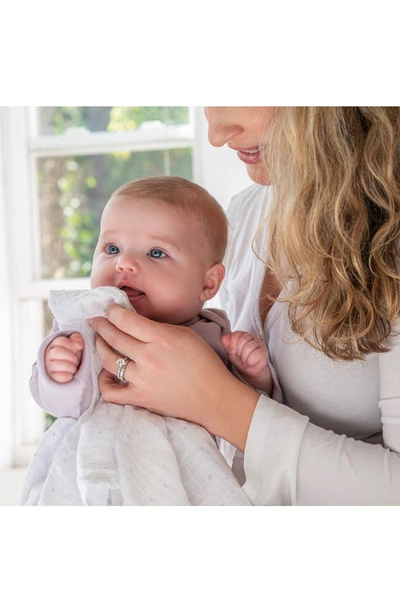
(249, 156)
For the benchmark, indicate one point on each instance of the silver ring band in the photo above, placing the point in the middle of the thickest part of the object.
(122, 364)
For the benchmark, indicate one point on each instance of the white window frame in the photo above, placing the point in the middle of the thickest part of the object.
(21, 422)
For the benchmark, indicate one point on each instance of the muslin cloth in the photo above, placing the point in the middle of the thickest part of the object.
(122, 455)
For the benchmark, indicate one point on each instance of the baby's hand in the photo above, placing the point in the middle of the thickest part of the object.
(247, 352)
(62, 357)
(249, 355)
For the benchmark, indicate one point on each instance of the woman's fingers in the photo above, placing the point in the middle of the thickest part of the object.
(125, 331)
(112, 390)
(134, 324)
(123, 342)
(108, 359)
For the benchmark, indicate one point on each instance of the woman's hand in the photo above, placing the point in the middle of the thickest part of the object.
(172, 372)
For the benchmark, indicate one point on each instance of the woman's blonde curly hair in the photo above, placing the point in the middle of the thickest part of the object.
(334, 227)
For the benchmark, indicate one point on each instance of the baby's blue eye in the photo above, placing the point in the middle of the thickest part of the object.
(156, 253)
(112, 249)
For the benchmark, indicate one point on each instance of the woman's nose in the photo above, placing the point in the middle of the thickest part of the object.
(221, 128)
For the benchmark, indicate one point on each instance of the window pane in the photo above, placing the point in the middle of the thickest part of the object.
(73, 191)
(60, 119)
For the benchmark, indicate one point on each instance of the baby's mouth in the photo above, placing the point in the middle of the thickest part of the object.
(134, 295)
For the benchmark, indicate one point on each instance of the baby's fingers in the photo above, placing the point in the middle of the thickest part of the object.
(58, 353)
(226, 342)
(233, 342)
(76, 341)
(61, 376)
(238, 341)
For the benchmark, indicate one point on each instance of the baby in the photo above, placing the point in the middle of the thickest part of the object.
(160, 250)
(162, 242)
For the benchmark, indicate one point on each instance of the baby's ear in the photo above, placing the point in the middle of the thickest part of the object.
(212, 281)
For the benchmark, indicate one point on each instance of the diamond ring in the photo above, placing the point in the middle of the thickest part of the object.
(122, 363)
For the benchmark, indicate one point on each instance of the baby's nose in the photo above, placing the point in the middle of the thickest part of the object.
(127, 262)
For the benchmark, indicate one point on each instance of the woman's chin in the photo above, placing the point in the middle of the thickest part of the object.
(258, 174)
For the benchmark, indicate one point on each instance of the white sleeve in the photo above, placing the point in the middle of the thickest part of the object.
(289, 461)
(389, 404)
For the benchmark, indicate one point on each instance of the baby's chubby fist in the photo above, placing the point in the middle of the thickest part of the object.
(247, 352)
(62, 357)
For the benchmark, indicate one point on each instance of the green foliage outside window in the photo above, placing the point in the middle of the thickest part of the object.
(58, 119)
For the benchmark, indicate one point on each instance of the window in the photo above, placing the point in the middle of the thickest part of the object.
(59, 167)
(80, 155)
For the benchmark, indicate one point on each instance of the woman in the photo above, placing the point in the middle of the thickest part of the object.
(325, 294)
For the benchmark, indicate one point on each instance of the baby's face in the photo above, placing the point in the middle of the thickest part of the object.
(156, 254)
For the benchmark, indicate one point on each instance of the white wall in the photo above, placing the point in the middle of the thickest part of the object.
(6, 353)
(219, 170)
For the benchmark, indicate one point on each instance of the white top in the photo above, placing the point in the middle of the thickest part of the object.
(304, 454)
